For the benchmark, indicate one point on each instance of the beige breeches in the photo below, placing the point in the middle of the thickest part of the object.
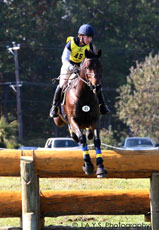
(64, 76)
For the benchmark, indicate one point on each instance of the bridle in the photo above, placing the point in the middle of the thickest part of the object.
(93, 75)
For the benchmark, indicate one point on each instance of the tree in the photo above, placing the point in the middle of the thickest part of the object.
(138, 103)
(41, 27)
(8, 133)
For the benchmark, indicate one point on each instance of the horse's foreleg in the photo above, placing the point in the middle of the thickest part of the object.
(88, 167)
(101, 172)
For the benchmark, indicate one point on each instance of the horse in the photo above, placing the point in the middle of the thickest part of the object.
(81, 109)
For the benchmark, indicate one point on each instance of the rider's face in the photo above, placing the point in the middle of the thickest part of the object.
(87, 39)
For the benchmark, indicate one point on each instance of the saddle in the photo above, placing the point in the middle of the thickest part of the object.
(72, 82)
(69, 84)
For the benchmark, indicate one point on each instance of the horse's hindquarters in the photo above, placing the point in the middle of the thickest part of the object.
(59, 122)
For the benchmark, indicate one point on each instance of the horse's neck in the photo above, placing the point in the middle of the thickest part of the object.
(81, 86)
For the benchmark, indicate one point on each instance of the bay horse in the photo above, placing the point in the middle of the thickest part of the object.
(81, 108)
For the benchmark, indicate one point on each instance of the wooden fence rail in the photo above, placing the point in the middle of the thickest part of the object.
(119, 164)
(59, 203)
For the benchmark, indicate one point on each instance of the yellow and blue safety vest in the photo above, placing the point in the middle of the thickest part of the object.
(77, 52)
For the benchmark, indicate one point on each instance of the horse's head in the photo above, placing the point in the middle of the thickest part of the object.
(91, 69)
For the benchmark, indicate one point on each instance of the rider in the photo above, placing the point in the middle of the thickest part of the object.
(73, 55)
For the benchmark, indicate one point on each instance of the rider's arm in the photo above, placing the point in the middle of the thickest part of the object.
(66, 58)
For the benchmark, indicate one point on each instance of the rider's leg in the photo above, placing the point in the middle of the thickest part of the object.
(64, 76)
(103, 107)
(56, 102)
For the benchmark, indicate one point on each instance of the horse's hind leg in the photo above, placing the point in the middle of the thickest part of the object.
(89, 133)
(73, 135)
(101, 172)
(58, 121)
(88, 167)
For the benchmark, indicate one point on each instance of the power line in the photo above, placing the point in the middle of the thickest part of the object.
(21, 83)
(110, 49)
(4, 45)
(42, 84)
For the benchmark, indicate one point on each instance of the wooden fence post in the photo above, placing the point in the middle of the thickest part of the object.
(29, 220)
(154, 200)
(30, 195)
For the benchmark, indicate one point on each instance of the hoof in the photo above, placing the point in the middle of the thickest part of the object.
(101, 172)
(88, 168)
(89, 134)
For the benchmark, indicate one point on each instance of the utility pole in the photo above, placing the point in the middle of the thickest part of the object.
(14, 50)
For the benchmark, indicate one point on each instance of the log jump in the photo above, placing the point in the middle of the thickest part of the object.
(62, 203)
(119, 164)
(31, 165)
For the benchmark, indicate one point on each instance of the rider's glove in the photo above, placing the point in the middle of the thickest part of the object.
(74, 69)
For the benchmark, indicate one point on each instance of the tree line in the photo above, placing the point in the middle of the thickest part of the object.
(126, 31)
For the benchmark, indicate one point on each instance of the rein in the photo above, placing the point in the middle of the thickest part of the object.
(87, 82)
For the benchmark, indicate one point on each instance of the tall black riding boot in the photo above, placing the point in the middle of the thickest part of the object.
(103, 107)
(56, 102)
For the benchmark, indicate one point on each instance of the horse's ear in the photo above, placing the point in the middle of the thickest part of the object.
(99, 53)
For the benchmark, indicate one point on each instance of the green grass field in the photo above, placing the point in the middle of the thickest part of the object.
(7, 183)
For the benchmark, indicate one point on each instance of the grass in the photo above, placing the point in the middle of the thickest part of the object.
(7, 183)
